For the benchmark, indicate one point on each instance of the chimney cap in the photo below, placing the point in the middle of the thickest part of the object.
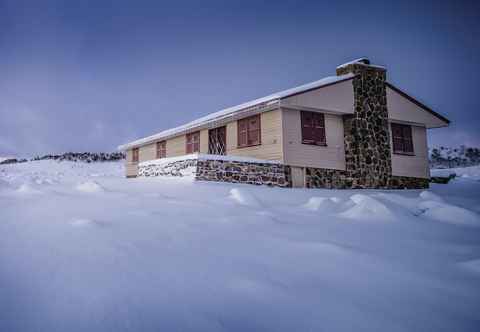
(363, 60)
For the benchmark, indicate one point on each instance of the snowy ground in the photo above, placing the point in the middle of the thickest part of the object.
(84, 249)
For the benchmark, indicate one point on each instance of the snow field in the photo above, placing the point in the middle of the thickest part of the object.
(152, 254)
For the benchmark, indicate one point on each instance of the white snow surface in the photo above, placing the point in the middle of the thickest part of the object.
(227, 112)
(472, 172)
(153, 254)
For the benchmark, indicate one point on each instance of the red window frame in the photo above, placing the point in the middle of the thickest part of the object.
(192, 142)
(402, 139)
(135, 155)
(249, 131)
(161, 149)
(313, 128)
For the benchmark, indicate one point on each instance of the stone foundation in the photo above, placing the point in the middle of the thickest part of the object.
(326, 178)
(179, 168)
(270, 174)
(337, 179)
(277, 175)
(404, 182)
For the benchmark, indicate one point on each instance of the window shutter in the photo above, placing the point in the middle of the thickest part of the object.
(402, 138)
(193, 142)
(249, 131)
(161, 149)
(196, 142)
(313, 128)
(319, 128)
(307, 127)
(242, 132)
(135, 155)
(254, 130)
(407, 139)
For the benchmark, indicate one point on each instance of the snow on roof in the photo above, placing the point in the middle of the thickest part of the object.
(360, 61)
(227, 112)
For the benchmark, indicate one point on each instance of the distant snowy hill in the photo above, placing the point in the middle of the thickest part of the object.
(71, 156)
(82, 248)
(5, 158)
(447, 157)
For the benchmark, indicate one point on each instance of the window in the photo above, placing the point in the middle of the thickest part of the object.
(217, 141)
(161, 149)
(135, 155)
(313, 128)
(193, 142)
(402, 139)
(249, 131)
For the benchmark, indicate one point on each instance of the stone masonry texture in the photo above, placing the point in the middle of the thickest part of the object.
(277, 175)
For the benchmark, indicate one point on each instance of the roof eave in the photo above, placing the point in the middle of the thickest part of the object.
(221, 120)
(419, 104)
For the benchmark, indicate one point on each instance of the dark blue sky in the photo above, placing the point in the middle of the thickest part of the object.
(90, 75)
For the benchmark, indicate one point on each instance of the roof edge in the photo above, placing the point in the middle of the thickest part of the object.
(418, 103)
(318, 87)
(267, 102)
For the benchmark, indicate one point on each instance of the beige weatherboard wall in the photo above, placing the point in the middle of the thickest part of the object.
(271, 138)
(297, 154)
(415, 165)
(401, 109)
(337, 98)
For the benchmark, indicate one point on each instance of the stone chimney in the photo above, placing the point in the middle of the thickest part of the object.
(366, 131)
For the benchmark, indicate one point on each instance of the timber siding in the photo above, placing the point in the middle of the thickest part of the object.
(176, 146)
(331, 156)
(147, 152)
(271, 147)
(416, 165)
(131, 169)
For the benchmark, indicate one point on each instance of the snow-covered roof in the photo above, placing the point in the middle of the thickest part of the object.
(360, 61)
(228, 112)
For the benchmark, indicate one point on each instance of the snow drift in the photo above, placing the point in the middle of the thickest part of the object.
(171, 255)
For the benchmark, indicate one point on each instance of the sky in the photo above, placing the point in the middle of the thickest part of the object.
(91, 75)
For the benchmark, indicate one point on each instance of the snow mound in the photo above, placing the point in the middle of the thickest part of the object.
(27, 189)
(404, 202)
(428, 195)
(89, 187)
(366, 207)
(244, 197)
(4, 184)
(324, 203)
(452, 214)
(85, 222)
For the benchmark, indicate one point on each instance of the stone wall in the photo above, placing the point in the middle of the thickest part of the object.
(244, 172)
(327, 178)
(337, 179)
(179, 168)
(258, 173)
(406, 182)
(366, 132)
